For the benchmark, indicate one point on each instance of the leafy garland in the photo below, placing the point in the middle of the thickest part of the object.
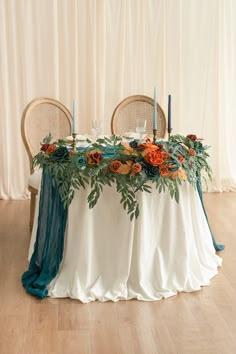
(130, 166)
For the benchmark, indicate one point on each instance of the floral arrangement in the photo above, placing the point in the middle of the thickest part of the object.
(131, 166)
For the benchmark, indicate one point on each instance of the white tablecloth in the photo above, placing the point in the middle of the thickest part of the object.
(168, 249)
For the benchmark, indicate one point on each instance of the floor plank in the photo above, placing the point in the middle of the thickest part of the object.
(202, 322)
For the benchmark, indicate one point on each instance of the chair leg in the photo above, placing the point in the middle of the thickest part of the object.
(32, 209)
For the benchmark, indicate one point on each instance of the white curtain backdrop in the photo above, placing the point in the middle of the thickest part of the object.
(100, 51)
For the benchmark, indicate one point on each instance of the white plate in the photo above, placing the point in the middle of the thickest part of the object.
(132, 135)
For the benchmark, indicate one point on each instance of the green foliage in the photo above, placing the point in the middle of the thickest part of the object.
(132, 168)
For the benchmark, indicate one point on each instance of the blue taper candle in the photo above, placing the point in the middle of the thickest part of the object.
(169, 113)
(74, 118)
(155, 111)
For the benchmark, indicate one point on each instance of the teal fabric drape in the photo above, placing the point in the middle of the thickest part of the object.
(217, 246)
(49, 244)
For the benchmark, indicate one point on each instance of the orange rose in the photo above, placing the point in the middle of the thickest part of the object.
(148, 148)
(153, 157)
(149, 144)
(164, 171)
(192, 152)
(180, 158)
(122, 168)
(136, 168)
(94, 157)
(50, 149)
(115, 165)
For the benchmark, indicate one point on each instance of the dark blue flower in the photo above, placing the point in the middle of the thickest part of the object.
(134, 144)
(82, 161)
(61, 153)
(174, 165)
(152, 172)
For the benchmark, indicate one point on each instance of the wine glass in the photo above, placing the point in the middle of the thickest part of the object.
(141, 127)
(96, 128)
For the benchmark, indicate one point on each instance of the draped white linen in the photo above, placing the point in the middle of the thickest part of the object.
(100, 51)
(167, 250)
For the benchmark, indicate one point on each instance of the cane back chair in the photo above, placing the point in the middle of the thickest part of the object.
(41, 117)
(133, 107)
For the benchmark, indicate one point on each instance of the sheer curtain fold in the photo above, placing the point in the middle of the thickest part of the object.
(100, 51)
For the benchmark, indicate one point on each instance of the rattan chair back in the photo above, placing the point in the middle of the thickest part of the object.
(41, 117)
(136, 107)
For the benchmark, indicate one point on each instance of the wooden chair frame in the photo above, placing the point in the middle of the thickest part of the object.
(131, 99)
(30, 106)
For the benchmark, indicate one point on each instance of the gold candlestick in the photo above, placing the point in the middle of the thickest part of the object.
(154, 135)
(74, 141)
(169, 132)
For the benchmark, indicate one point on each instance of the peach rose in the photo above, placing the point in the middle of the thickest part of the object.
(174, 175)
(136, 168)
(125, 168)
(182, 174)
(192, 152)
(128, 149)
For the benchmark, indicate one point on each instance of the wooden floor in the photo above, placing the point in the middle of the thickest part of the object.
(202, 322)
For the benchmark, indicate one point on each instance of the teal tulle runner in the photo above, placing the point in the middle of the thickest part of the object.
(199, 189)
(49, 244)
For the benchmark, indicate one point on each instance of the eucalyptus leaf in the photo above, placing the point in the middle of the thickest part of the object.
(72, 170)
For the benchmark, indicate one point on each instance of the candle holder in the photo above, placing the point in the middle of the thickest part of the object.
(74, 141)
(154, 135)
(169, 130)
